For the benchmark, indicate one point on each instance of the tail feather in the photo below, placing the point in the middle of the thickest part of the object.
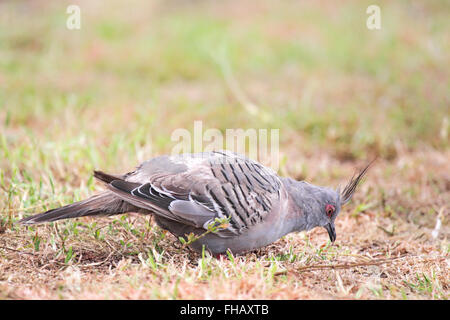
(105, 203)
(106, 177)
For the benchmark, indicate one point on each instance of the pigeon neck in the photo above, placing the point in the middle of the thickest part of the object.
(302, 204)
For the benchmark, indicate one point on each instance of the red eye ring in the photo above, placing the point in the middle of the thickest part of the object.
(329, 209)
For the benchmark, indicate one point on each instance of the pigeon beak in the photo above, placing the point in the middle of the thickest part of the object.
(331, 231)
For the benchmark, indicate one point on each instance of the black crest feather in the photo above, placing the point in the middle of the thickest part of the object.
(350, 188)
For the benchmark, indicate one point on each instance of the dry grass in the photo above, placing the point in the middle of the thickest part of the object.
(109, 96)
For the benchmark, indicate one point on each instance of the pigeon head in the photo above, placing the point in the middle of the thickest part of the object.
(332, 201)
(326, 210)
(322, 205)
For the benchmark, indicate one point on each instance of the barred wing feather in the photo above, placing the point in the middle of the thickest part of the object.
(194, 189)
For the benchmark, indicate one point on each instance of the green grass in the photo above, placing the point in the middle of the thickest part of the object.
(109, 96)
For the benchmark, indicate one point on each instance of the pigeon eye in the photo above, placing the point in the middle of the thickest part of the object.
(329, 210)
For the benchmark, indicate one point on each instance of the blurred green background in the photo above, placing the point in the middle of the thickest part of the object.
(110, 94)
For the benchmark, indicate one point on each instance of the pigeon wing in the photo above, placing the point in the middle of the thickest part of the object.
(195, 189)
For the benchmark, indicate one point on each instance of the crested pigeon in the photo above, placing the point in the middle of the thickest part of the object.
(190, 193)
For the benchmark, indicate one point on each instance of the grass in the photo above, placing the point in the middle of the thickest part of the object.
(109, 96)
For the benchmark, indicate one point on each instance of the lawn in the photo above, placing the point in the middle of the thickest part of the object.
(110, 94)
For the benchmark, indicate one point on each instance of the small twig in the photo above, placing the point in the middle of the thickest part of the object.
(15, 250)
(223, 224)
(390, 233)
(41, 204)
(112, 247)
(97, 263)
(55, 226)
(374, 262)
(280, 273)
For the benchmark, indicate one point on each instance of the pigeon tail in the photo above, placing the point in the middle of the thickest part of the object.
(102, 204)
(106, 177)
